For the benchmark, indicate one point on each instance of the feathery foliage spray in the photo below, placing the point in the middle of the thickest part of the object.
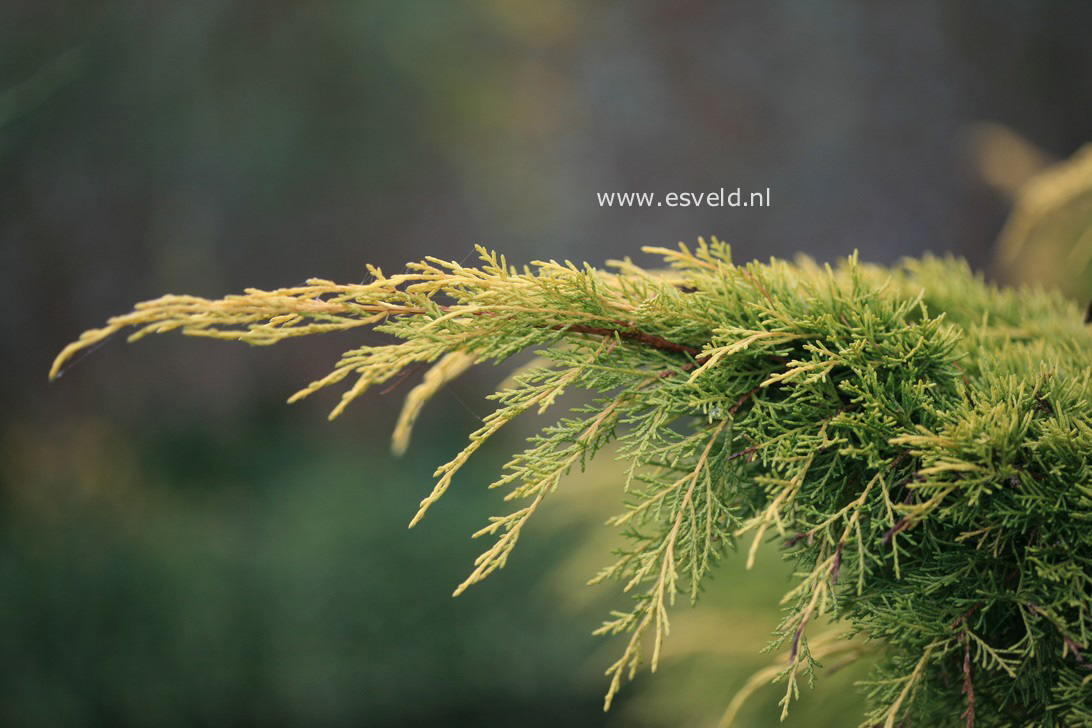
(917, 440)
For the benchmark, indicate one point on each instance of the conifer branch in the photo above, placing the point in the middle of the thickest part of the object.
(652, 609)
(909, 683)
(920, 442)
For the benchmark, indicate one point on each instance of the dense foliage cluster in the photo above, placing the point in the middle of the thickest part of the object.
(917, 440)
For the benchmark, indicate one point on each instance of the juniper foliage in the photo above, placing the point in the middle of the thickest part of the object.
(917, 440)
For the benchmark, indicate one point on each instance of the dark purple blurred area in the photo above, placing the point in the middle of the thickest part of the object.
(204, 147)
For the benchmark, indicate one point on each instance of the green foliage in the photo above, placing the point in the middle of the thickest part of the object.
(916, 439)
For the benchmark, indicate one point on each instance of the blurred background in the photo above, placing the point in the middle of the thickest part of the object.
(179, 547)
